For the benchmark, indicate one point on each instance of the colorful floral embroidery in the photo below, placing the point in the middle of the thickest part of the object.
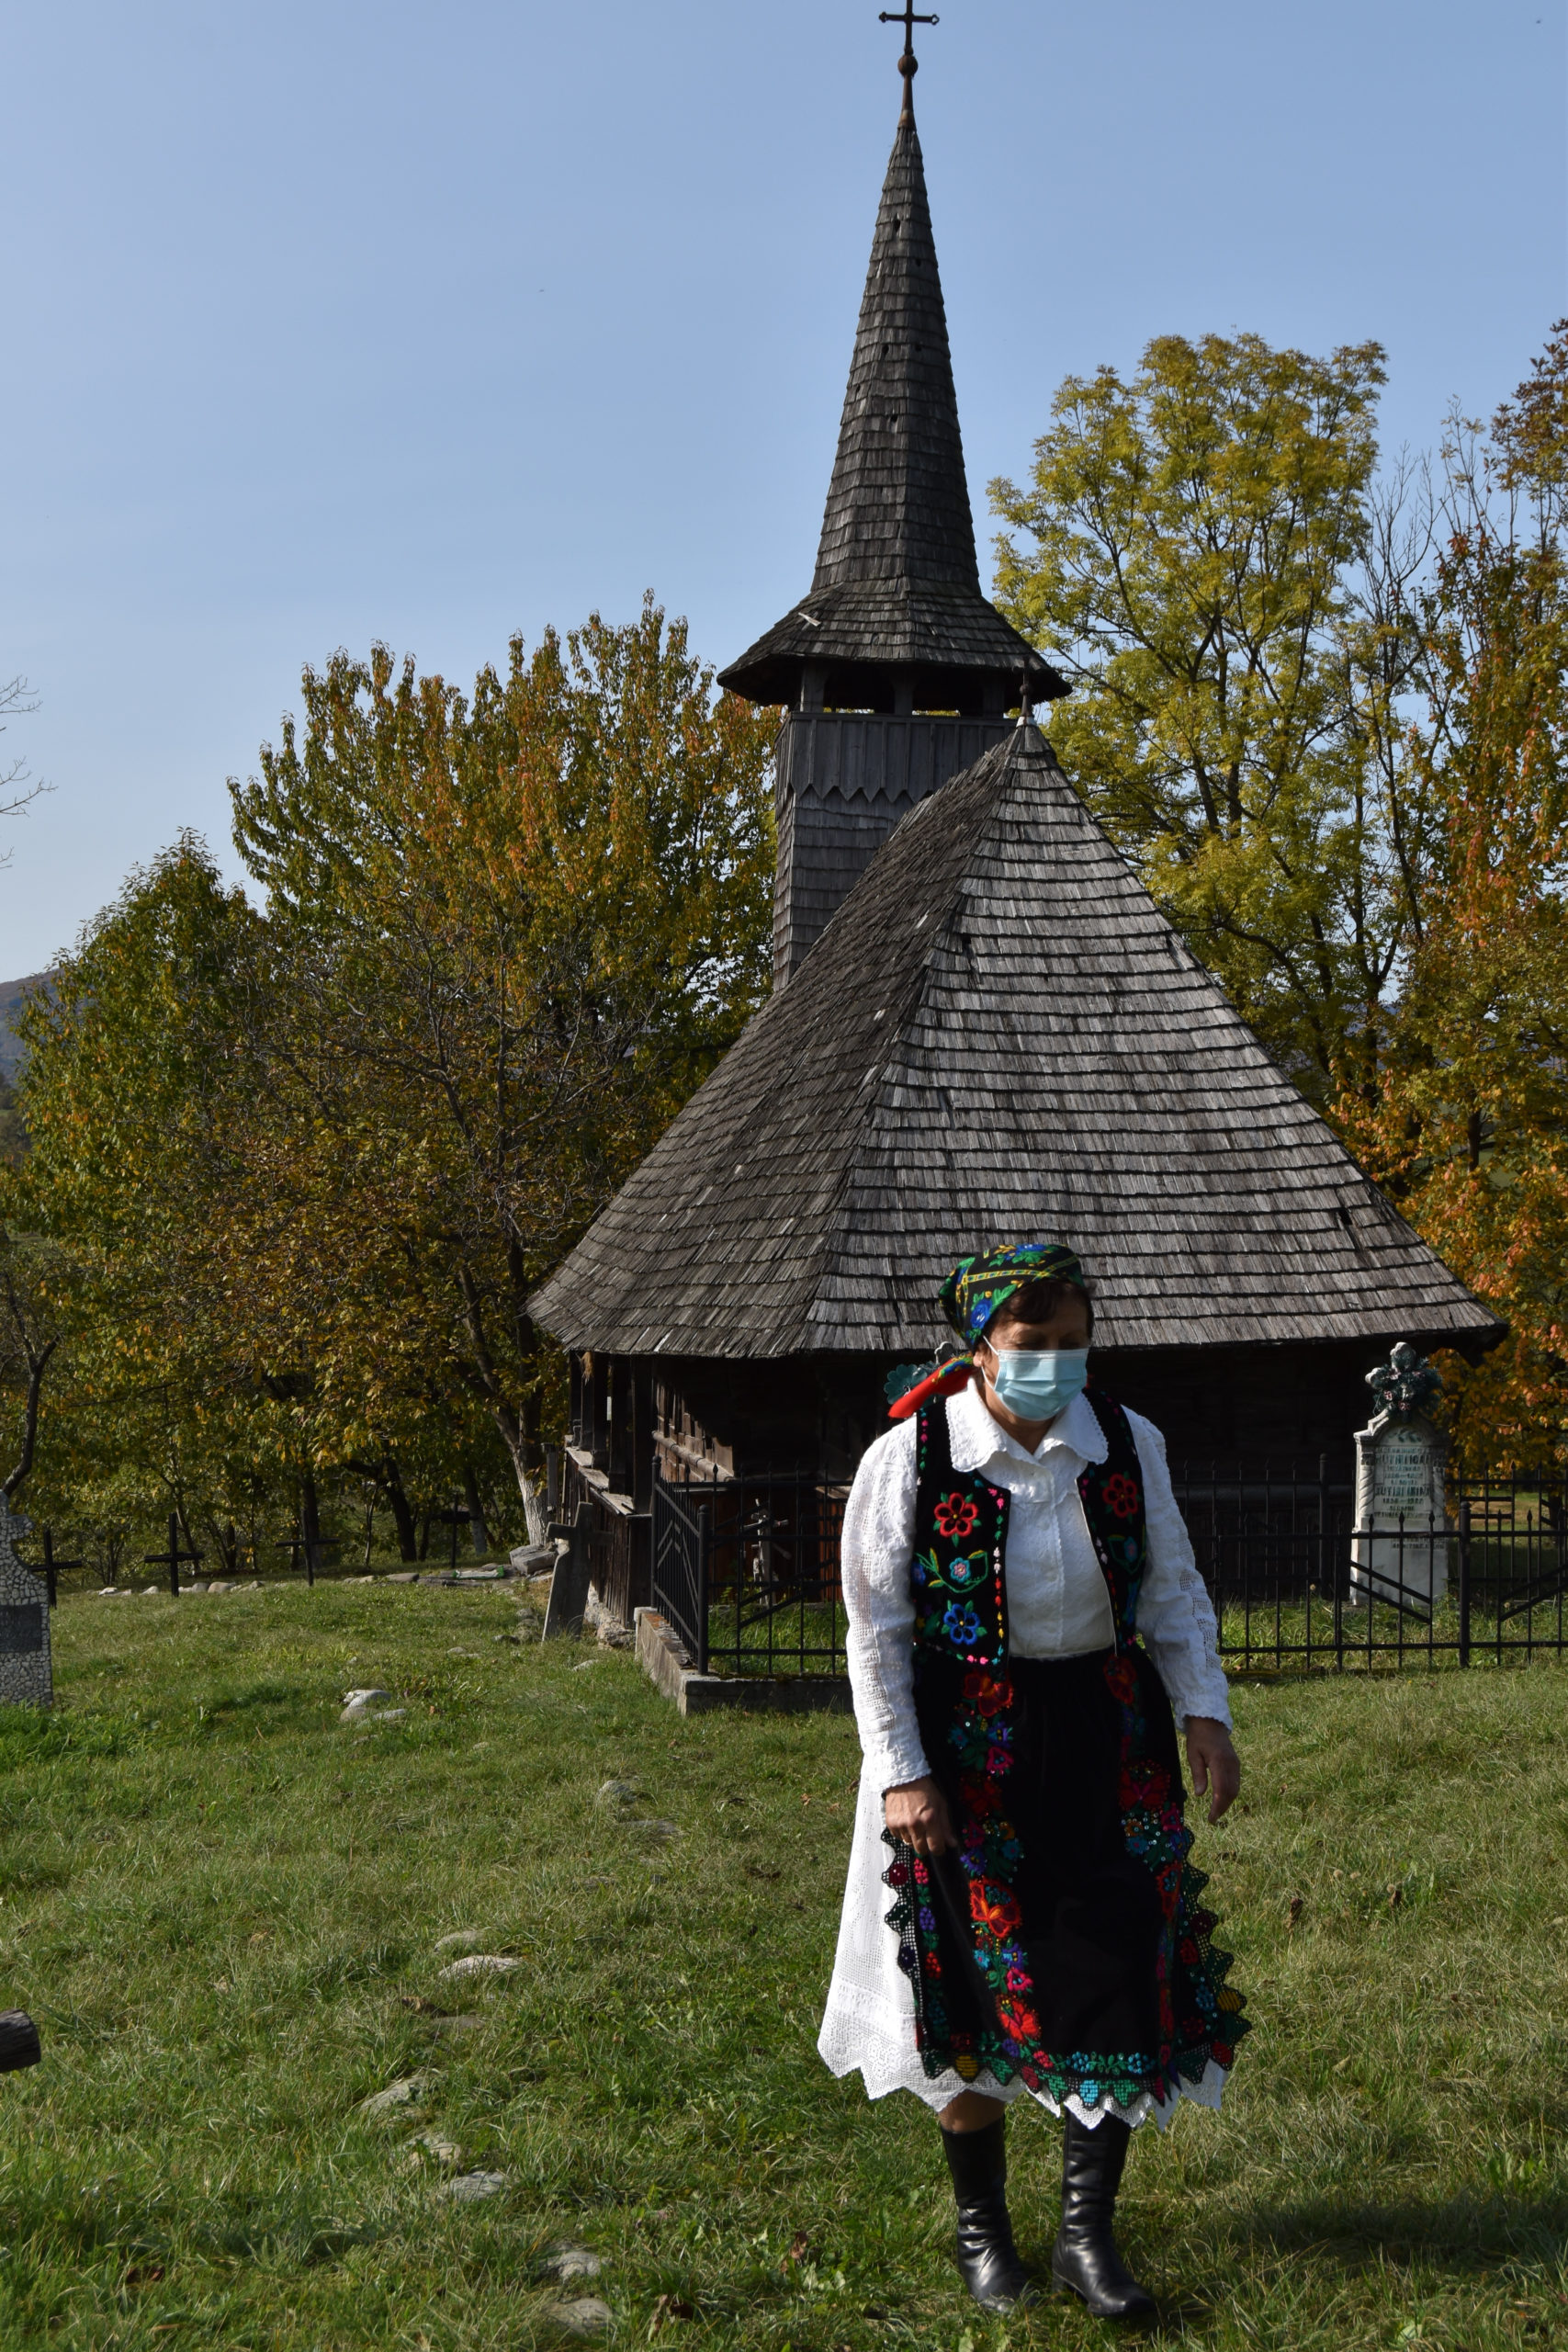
(1120, 1494)
(956, 1516)
(961, 1625)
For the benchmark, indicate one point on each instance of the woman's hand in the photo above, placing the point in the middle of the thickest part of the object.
(1215, 1765)
(917, 1812)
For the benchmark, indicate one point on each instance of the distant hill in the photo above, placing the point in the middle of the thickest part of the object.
(11, 995)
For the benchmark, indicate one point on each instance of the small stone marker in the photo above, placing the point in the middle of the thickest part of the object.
(469, 2187)
(585, 2315)
(460, 1939)
(26, 1674)
(566, 2262)
(478, 1964)
(1400, 1551)
(358, 1703)
(393, 2102)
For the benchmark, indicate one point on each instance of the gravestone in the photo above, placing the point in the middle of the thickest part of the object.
(1400, 1549)
(25, 1679)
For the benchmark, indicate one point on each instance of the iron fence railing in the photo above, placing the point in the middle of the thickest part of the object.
(746, 1572)
(1296, 1583)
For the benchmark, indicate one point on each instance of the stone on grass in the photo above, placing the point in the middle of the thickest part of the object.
(403, 2093)
(479, 1963)
(566, 2262)
(655, 1833)
(469, 2187)
(356, 1703)
(616, 1795)
(428, 2145)
(583, 2315)
(466, 2021)
(460, 1939)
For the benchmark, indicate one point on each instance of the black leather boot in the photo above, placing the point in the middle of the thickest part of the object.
(987, 2257)
(1084, 2257)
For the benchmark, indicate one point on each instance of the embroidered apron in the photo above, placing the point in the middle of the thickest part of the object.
(961, 1931)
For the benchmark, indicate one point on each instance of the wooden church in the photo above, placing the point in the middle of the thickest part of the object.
(982, 1030)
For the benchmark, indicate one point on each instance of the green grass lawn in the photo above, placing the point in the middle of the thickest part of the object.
(223, 1906)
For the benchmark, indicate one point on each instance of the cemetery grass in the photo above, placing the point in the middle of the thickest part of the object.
(223, 1908)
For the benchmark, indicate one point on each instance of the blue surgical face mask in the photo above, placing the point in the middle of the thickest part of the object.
(1037, 1385)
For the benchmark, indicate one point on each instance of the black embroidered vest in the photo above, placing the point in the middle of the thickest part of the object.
(961, 1519)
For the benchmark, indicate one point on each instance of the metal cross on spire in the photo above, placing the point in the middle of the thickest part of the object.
(908, 64)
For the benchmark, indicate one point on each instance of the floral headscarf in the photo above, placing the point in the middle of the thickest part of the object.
(974, 1291)
(979, 1287)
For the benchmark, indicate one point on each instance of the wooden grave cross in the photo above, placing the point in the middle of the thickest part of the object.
(312, 1546)
(52, 1567)
(172, 1558)
(454, 1519)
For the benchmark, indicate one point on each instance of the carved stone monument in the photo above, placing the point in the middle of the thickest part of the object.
(25, 1677)
(1400, 1548)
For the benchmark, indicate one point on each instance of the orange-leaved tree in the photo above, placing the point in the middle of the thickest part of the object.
(1465, 1118)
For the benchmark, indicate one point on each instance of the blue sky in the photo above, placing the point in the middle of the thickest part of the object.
(332, 322)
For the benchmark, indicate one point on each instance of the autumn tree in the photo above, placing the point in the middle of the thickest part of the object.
(510, 934)
(315, 1156)
(1466, 1121)
(1199, 549)
(136, 1095)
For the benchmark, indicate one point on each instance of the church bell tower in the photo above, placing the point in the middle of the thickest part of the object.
(895, 671)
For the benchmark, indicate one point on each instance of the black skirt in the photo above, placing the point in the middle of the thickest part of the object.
(1092, 1919)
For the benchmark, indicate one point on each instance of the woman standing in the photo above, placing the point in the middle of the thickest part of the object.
(1026, 1629)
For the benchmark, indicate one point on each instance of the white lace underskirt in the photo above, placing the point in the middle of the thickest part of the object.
(869, 2024)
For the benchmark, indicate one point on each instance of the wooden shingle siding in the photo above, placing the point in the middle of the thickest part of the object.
(997, 1036)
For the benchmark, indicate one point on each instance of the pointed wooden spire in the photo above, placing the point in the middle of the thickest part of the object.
(897, 592)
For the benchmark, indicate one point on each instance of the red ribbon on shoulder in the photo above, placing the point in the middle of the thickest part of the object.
(945, 1381)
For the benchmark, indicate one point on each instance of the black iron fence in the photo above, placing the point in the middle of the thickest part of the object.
(1296, 1583)
(746, 1570)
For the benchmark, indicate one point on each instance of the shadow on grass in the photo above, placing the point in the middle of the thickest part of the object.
(1456, 2233)
(273, 2233)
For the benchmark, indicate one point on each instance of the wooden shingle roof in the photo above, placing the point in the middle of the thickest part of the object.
(997, 1036)
(897, 582)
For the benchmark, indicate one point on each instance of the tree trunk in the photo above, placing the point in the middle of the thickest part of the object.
(403, 1514)
(309, 1523)
(479, 1534)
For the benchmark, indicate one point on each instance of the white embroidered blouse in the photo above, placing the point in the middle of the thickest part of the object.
(1057, 1602)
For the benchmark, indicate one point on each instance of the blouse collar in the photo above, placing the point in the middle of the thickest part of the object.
(974, 1437)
